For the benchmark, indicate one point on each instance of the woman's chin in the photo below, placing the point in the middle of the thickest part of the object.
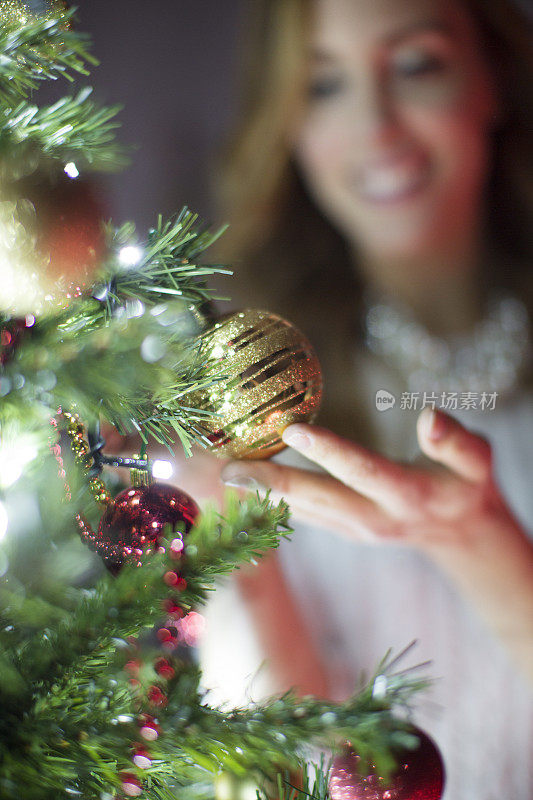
(387, 244)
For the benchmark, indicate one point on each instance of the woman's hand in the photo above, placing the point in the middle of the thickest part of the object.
(451, 510)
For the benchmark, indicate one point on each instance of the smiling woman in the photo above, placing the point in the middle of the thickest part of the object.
(381, 197)
(394, 136)
(393, 143)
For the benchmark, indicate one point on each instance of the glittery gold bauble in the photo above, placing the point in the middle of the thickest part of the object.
(272, 379)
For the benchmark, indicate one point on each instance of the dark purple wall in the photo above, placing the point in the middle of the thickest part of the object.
(173, 64)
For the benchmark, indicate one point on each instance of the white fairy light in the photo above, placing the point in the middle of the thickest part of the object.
(130, 256)
(71, 170)
(162, 470)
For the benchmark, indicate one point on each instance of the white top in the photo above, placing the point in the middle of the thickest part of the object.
(359, 600)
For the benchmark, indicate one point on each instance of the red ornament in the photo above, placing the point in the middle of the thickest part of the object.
(420, 776)
(137, 520)
(62, 218)
(68, 221)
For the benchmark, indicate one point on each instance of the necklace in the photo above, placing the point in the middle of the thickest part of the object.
(492, 358)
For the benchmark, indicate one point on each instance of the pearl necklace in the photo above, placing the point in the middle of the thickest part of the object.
(492, 358)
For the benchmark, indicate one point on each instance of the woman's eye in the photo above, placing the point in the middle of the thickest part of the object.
(413, 65)
(322, 88)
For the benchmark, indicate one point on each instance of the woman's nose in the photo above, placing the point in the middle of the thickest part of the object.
(375, 119)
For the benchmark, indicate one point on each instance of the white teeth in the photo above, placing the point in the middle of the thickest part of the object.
(391, 182)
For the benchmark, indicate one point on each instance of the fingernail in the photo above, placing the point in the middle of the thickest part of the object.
(237, 481)
(437, 425)
(296, 439)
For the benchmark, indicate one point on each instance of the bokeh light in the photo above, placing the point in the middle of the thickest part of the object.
(14, 457)
(130, 256)
(162, 470)
(71, 170)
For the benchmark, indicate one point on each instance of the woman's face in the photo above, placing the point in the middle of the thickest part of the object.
(393, 143)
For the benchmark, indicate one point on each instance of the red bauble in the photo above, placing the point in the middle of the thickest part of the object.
(420, 776)
(61, 245)
(67, 225)
(71, 232)
(134, 523)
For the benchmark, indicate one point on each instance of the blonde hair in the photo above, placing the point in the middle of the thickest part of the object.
(288, 256)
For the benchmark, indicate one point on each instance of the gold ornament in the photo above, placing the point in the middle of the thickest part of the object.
(272, 378)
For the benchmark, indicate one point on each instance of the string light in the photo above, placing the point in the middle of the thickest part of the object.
(130, 256)
(71, 170)
(162, 470)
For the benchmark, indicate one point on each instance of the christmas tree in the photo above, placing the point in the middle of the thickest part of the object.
(99, 687)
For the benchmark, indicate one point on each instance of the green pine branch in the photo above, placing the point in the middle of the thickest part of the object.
(38, 49)
(219, 544)
(167, 267)
(125, 351)
(74, 129)
(122, 607)
(98, 372)
(66, 677)
(313, 784)
(69, 695)
(286, 726)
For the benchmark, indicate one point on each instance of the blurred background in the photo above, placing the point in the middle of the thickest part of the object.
(173, 65)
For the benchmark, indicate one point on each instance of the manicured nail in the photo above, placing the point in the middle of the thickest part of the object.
(237, 481)
(296, 439)
(436, 426)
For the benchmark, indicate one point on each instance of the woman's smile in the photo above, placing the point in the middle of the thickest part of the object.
(392, 179)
